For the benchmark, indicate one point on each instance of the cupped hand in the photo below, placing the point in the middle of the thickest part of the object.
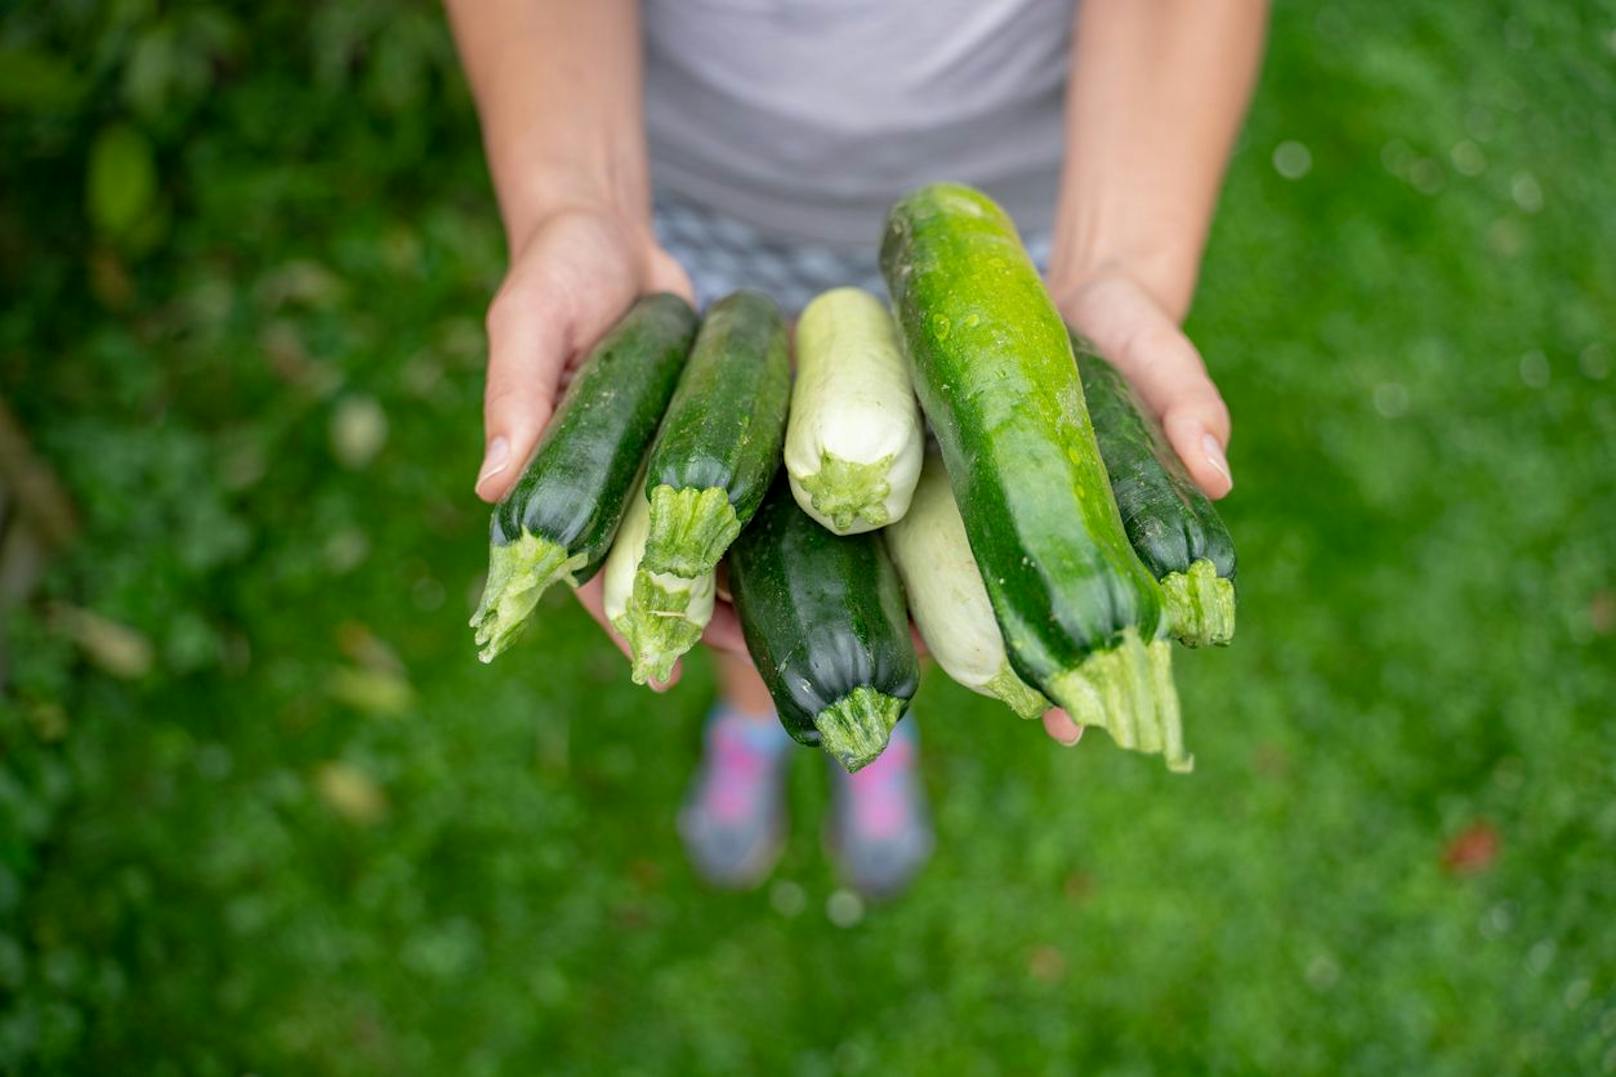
(1133, 330)
(570, 279)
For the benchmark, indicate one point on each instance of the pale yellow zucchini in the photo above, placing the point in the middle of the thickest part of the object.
(854, 439)
(947, 600)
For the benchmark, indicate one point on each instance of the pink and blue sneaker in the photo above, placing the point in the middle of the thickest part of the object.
(880, 828)
(734, 821)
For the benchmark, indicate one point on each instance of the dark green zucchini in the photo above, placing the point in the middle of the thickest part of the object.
(720, 443)
(994, 372)
(1173, 527)
(824, 620)
(558, 521)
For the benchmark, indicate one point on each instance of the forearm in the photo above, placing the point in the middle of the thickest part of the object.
(1157, 94)
(559, 91)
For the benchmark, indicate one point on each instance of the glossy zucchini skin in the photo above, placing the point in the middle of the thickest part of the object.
(824, 618)
(721, 436)
(1170, 522)
(993, 368)
(557, 523)
(994, 372)
(578, 480)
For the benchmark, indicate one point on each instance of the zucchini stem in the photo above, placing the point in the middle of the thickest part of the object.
(855, 729)
(519, 573)
(659, 624)
(690, 530)
(1016, 693)
(1200, 605)
(1127, 690)
(851, 496)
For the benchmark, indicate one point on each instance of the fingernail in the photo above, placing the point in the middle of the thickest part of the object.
(1215, 457)
(494, 461)
(1075, 737)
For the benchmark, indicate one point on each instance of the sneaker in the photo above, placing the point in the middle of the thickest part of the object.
(733, 822)
(880, 829)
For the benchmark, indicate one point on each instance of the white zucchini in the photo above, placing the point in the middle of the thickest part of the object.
(660, 615)
(855, 439)
(947, 600)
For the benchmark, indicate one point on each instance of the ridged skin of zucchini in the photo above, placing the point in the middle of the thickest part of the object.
(723, 432)
(1170, 522)
(558, 521)
(994, 372)
(824, 620)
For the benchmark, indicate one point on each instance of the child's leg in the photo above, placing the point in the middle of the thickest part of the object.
(741, 689)
(734, 821)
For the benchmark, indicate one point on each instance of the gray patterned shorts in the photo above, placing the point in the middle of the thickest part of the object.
(722, 254)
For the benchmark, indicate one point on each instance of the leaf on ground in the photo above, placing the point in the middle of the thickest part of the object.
(116, 648)
(1472, 850)
(351, 793)
(375, 691)
(122, 182)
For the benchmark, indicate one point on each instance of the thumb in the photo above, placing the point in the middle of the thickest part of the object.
(527, 343)
(665, 274)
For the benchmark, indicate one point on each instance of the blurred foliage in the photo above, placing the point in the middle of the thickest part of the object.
(261, 810)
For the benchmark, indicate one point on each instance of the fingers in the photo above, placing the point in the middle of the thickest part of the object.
(724, 631)
(666, 275)
(1059, 725)
(592, 597)
(1131, 330)
(527, 341)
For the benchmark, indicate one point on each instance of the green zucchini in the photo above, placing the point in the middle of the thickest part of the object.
(994, 371)
(949, 605)
(558, 521)
(824, 620)
(659, 616)
(720, 442)
(855, 439)
(1173, 527)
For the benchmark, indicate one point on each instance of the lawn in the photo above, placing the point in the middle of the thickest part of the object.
(261, 810)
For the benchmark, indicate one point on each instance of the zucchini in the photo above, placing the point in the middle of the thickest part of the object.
(994, 371)
(660, 616)
(1173, 527)
(720, 442)
(558, 521)
(824, 620)
(855, 439)
(947, 600)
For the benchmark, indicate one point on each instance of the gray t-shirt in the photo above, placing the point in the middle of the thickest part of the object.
(806, 118)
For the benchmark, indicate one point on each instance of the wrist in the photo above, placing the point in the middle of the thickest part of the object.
(533, 195)
(1168, 275)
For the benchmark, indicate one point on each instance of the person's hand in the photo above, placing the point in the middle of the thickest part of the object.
(1133, 330)
(573, 276)
(569, 281)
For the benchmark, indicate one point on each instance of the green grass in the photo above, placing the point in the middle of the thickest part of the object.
(318, 837)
